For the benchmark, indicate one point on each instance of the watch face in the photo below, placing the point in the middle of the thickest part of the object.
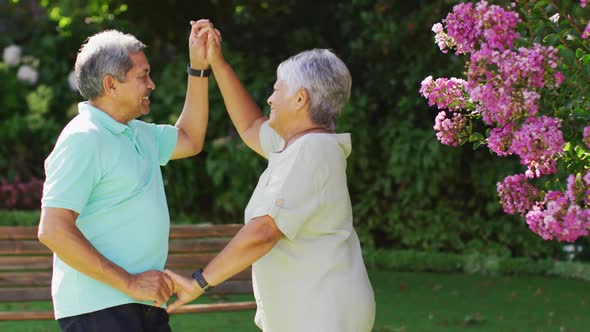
(198, 276)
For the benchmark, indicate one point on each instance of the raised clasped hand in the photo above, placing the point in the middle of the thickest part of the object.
(204, 44)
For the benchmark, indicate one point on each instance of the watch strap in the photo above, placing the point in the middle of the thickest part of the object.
(198, 72)
(198, 276)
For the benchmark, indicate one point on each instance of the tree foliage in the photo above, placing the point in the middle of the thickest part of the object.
(408, 191)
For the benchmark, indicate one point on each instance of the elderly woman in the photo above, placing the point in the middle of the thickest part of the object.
(308, 272)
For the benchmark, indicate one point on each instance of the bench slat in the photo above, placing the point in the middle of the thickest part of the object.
(196, 245)
(185, 309)
(18, 233)
(24, 279)
(20, 247)
(195, 231)
(176, 231)
(14, 279)
(199, 308)
(25, 294)
(44, 293)
(188, 261)
(26, 315)
(12, 263)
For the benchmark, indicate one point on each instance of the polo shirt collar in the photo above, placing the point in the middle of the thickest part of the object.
(102, 118)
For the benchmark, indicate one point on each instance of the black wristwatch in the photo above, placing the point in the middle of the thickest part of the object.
(198, 72)
(198, 276)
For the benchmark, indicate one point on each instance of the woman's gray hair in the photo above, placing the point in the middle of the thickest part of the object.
(326, 79)
(105, 53)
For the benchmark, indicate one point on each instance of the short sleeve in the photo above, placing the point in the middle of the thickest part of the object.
(270, 140)
(71, 172)
(166, 140)
(295, 198)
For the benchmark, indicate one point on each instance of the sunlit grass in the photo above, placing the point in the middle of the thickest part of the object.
(423, 302)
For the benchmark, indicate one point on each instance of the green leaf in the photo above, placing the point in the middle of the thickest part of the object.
(568, 55)
(540, 4)
(476, 137)
(551, 39)
(579, 53)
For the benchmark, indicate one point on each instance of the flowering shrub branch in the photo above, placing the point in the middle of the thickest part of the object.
(526, 84)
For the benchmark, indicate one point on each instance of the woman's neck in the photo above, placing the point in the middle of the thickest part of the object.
(298, 133)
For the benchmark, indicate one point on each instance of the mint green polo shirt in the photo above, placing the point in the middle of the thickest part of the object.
(110, 174)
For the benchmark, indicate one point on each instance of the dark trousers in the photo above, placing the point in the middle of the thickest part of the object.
(132, 317)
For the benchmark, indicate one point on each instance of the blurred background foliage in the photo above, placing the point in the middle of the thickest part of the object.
(408, 190)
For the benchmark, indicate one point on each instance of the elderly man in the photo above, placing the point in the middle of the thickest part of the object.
(104, 211)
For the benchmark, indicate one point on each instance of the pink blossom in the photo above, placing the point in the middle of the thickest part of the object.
(537, 168)
(578, 188)
(583, 3)
(437, 28)
(449, 130)
(441, 39)
(500, 27)
(464, 26)
(500, 139)
(445, 93)
(504, 84)
(559, 77)
(516, 194)
(537, 142)
(488, 26)
(586, 32)
(557, 218)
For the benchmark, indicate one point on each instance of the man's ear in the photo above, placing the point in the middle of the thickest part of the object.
(109, 85)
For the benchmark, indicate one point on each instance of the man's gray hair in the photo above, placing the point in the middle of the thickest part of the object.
(326, 79)
(105, 53)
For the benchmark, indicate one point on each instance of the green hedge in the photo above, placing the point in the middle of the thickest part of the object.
(19, 218)
(416, 261)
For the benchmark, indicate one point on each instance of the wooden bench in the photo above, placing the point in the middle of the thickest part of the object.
(25, 267)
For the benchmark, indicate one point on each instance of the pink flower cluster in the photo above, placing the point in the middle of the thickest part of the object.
(560, 215)
(447, 94)
(469, 27)
(500, 139)
(503, 88)
(18, 194)
(449, 130)
(504, 85)
(516, 194)
(537, 142)
(583, 3)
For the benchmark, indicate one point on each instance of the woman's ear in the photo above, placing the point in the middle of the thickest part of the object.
(301, 98)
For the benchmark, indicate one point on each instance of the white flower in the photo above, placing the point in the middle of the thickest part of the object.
(11, 55)
(554, 18)
(28, 74)
(437, 28)
(72, 81)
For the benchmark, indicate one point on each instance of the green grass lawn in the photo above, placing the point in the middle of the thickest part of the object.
(423, 302)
